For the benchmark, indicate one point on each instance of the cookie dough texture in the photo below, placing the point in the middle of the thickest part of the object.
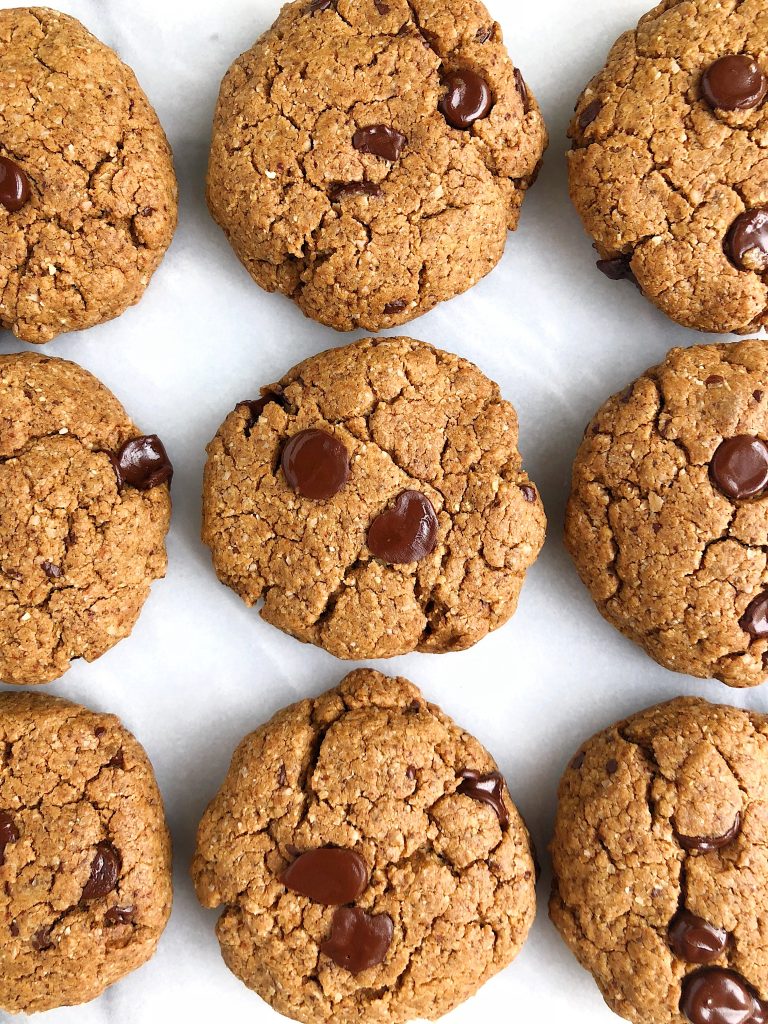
(369, 766)
(77, 554)
(411, 417)
(669, 559)
(620, 871)
(103, 205)
(70, 779)
(658, 176)
(283, 143)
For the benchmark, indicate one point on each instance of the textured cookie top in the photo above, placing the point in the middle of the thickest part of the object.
(372, 769)
(670, 153)
(660, 857)
(85, 861)
(421, 450)
(368, 157)
(667, 520)
(91, 163)
(80, 543)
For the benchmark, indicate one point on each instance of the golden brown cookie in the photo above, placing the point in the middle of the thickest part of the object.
(85, 855)
(87, 188)
(660, 855)
(668, 169)
(368, 158)
(668, 516)
(366, 850)
(84, 510)
(375, 500)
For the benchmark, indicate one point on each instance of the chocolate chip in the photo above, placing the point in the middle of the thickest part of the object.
(395, 307)
(734, 82)
(755, 619)
(320, 5)
(589, 113)
(379, 140)
(714, 378)
(612, 766)
(119, 915)
(54, 572)
(14, 185)
(41, 940)
(257, 407)
(716, 995)
(117, 760)
(327, 875)
(467, 99)
(315, 464)
(757, 395)
(405, 533)
(619, 268)
(410, 772)
(9, 833)
(413, 708)
(105, 872)
(488, 789)
(381, 7)
(695, 940)
(578, 760)
(529, 493)
(13, 928)
(282, 777)
(354, 188)
(705, 844)
(99, 731)
(739, 467)
(143, 463)
(522, 88)
(483, 34)
(358, 940)
(746, 244)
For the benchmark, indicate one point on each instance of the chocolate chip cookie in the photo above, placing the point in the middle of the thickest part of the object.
(668, 516)
(365, 849)
(87, 188)
(375, 500)
(368, 158)
(84, 509)
(668, 168)
(85, 856)
(660, 856)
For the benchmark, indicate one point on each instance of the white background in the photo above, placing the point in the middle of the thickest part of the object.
(200, 669)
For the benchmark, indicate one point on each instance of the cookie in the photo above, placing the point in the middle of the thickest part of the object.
(375, 500)
(87, 188)
(368, 158)
(667, 521)
(85, 856)
(365, 849)
(668, 168)
(84, 510)
(660, 854)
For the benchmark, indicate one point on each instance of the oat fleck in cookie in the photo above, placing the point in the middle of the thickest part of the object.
(667, 520)
(357, 869)
(85, 855)
(87, 188)
(668, 163)
(369, 158)
(660, 860)
(375, 500)
(84, 510)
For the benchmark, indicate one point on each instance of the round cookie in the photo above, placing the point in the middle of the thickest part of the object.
(375, 500)
(667, 520)
(84, 510)
(85, 855)
(668, 166)
(365, 849)
(88, 197)
(368, 158)
(660, 855)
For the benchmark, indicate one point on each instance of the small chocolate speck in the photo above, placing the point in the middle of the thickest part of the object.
(53, 572)
(483, 34)
(119, 915)
(99, 731)
(589, 113)
(282, 776)
(714, 378)
(414, 707)
(522, 88)
(41, 940)
(410, 772)
(657, 527)
(757, 395)
(612, 766)
(381, 7)
(397, 306)
(529, 493)
(117, 760)
(14, 929)
(578, 761)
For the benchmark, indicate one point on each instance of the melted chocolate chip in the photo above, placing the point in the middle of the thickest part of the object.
(14, 185)
(578, 760)
(589, 113)
(529, 493)
(714, 378)
(521, 87)
(358, 940)
(53, 572)
(739, 467)
(143, 463)
(355, 188)
(488, 789)
(379, 140)
(327, 875)
(705, 844)
(117, 760)
(320, 5)
(719, 996)
(734, 82)
(119, 915)
(405, 533)
(381, 7)
(282, 777)
(105, 872)
(41, 940)
(746, 244)
(315, 464)
(9, 833)
(484, 34)
(755, 618)
(695, 940)
(395, 307)
(467, 99)
(257, 407)
(617, 269)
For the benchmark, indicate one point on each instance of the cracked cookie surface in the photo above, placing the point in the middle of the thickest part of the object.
(675, 561)
(78, 552)
(659, 173)
(369, 767)
(411, 419)
(85, 857)
(661, 838)
(102, 205)
(348, 93)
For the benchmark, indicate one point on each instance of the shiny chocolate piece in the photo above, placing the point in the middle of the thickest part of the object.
(755, 619)
(315, 464)
(328, 875)
(143, 463)
(9, 833)
(716, 995)
(405, 533)
(53, 572)
(529, 493)
(589, 113)
(257, 406)
(619, 268)
(739, 467)
(42, 940)
(343, 190)
(379, 140)
(105, 872)
(734, 82)
(706, 844)
(488, 789)
(320, 5)
(746, 244)
(467, 99)
(694, 939)
(396, 306)
(119, 915)
(358, 940)
(522, 88)
(14, 185)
